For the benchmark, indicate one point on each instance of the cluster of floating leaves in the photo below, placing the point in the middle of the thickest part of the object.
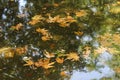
(108, 40)
(9, 52)
(45, 34)
(115, 8)
(48, 61)
(62, 21)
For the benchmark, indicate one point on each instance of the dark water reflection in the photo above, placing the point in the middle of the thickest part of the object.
(13, 69)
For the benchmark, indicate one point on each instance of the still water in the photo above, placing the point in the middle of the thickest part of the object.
(9, 10)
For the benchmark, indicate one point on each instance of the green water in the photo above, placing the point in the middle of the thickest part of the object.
(13, 12)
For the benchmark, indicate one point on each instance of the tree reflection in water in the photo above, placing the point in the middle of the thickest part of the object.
(18, 36)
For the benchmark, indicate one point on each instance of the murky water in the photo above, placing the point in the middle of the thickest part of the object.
(20, 11)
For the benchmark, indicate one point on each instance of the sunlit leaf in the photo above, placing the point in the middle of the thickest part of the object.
(60, 60)
(17, 27)
(21, 50)
(100, 50)
(7, 52)
(36, 19)
(81, 13)
(43, 31)
(73, 56)
(45, 63)
(29, 63)
(53, 19)
(63, 73)
(79, 33)
(45, 38)
(48, 55)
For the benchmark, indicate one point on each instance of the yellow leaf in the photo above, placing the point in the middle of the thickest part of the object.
(115, 9)
(7, 52)
(45, 38)
(100, 50)
(45, 63)
(81, 13)
(36, 19)
(29, 63)
(48, 55)
(73, 56)
(63, 73)
(53, 19)
(42, 31)
(17, 27)
(21, 50)
(79, 33)
(59, 60)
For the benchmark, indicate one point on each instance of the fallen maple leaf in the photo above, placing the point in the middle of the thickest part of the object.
(48, 55)
(73, 56)
(29, 63)
(45, 63)
(59, 60)
(100, 50)
(63, 73)
(81, 13)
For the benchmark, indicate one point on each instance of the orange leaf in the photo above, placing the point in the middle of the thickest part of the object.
(79, 33)
(48, 55)
(80, 13)
(63, 73)
(45, 63)
(45, 38)
(29, 63)
(73, 56)
(59, 60)
(17, 27)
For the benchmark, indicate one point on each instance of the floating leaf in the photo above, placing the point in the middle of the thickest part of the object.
(36, 19)
(7, 52)
(63, 73)
(100, 50)
(45, 38)
(79, 33)
(29, 63)
(48, 55)
(17, 27)
(115, 9)
(81, 13)
(42, 31)
(73, 56)
(21, 50)
(60, 60)
(117, 70)
(45, 63)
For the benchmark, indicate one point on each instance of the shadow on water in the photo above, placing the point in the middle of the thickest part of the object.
(13, 12)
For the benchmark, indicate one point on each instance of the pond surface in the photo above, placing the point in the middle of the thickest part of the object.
(13, 12)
